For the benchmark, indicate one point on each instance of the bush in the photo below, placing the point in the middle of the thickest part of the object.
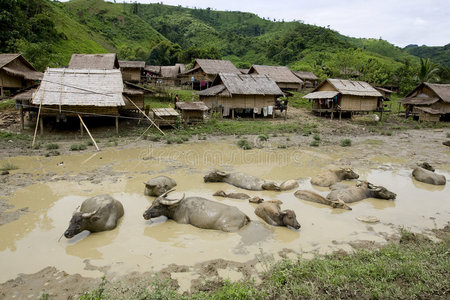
(314, 143)
(346, 142)
(51, 146)
(263, 137)
(448, 134)
(77, 147)
(244, 144)
(90, 143)
(154, 137)
(7, 166)
(316, 137)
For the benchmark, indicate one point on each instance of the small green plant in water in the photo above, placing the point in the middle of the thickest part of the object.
(51, 146)
(346, 142)
(77, 147)
(314, 143)
(7, 166)
(244, 144)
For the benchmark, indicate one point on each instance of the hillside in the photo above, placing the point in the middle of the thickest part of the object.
(48, 32)
(438, 54)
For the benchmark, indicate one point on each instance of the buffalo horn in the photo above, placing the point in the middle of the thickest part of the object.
(221, 173)
(88, 215)
(165, 201)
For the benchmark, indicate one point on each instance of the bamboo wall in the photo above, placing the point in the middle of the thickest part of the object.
(192, 115)
(133, 75)
(239, 101)
(137, 99)
(72, 110)
(358, 103)
(423, 116)
(441, 106)
(9, 81)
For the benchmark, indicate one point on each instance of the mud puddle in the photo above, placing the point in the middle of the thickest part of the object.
(33, 242)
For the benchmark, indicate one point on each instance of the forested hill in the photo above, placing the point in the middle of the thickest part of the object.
(438, 54)
(47, 33)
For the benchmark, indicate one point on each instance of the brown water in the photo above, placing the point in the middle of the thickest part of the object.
(31, 243)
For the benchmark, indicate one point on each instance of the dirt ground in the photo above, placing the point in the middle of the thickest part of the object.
(411, 145)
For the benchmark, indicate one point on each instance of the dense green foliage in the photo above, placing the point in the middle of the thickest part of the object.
(438, 54)
(48, 32)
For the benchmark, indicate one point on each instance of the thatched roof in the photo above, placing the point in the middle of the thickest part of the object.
(214, 66)
(441, 91)
(198, 105)
(170, 71)
(305, 75)
(24, 69)
(321, 95)
(25, 95)
(350, 87)
(182, 67)
(153, 69)
(165, 112)
(280, 74)
(106, 61)
(242, 84)
(132, 64)
(80, 87)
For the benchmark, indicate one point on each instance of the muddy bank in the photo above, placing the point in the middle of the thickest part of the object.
(37, 199)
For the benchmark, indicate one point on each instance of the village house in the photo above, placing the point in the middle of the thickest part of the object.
(131, 70)
(170, 75)
(284, 78)
(192, 112)
(16, 74)
(345, 96)
(233, 93)
(428, 101)
(79, 93)
(106, 61)
(204, 71)
(309, 79)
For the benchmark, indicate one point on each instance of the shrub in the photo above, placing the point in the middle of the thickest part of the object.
(7, 166)
(346, 142)
(316, 137)
(263, 137)
(90, 143)
(77, 147)
(314, 143)
(51, 146)
(154, 137)
(244, 144)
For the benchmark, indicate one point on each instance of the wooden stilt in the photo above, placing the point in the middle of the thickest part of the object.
(37, 123)
(81, 129)
(253, 114)
(41, 125)
(232, 113)
(340, 114)
(22, 123)
(117, 124)
(87, 130)
(332, 115)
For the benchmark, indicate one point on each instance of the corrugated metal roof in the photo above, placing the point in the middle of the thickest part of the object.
(134, 64)
(105, 61)
(321, 95)
(215, 66)
(280, 74)
(80, 87)
(350, 87)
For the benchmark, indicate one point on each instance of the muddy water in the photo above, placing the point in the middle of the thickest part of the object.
(33, 241)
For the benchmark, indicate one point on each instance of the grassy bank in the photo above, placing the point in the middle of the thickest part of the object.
(414, 268)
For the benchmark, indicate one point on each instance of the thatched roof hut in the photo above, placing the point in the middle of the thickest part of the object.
(204, 71)
(107, 61)
(241, 91)
(309, 79)
(192, 111)
(16, 73)
(131, 70)
(78, 91)
(340, 95)
(428, 95)
(282, 75)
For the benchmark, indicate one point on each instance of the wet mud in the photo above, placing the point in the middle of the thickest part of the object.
(38, 199)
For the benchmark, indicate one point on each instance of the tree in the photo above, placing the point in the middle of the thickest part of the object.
(428, 71)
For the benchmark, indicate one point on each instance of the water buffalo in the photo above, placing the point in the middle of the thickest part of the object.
(199, 212)
(158, 186)
(271, 212)
(314, 197)
(241, 196)
(362, 191)
(248, 182)
(96, 214)
(330, 177)
(427, 176)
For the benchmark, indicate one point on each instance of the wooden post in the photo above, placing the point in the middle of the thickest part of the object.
(285, 114)
(232, 113)
(81, 129)
(87, 130)
(332, 115)
(41, 125)
(151, 121)
(253, 114)
(22, 123)
(37, 123)
(117, 124)
(340, 114)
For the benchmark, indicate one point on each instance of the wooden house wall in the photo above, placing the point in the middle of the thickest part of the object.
(289, 86)
(72, 110)
(358, 103)
(239, 101)
(441, 106)
(192, 115)
(131, 74)
(326, 87)
(137, 99)
(9, 81)
(423, 116)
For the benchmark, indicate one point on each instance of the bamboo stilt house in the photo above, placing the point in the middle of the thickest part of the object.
(16, 74)
(192, 112)
(430, 101)
(339, 95)
(283, 77)
(131, 70)
(204, 71)
(70, 92)
(232, 93)
(106, 61)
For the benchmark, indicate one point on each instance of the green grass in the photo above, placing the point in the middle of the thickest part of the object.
(314, 143)
(244, 144)
(77, 147)
(346, 142)
(5, 135)
(7, 104)
(51, 146)
(316, 137)
(7, 166)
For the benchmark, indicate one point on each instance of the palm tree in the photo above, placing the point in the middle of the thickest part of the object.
(428, 70)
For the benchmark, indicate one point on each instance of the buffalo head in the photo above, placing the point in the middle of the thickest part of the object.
(340, 204)
(377, 191)
(215, 176)
(271, 186)
(79, 222)
(161, 206)
(289, 218)
(349, 174)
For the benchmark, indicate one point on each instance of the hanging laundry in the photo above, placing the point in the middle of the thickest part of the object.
(270, 110)
(255, 110)
(226, 111)
(264, 109)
